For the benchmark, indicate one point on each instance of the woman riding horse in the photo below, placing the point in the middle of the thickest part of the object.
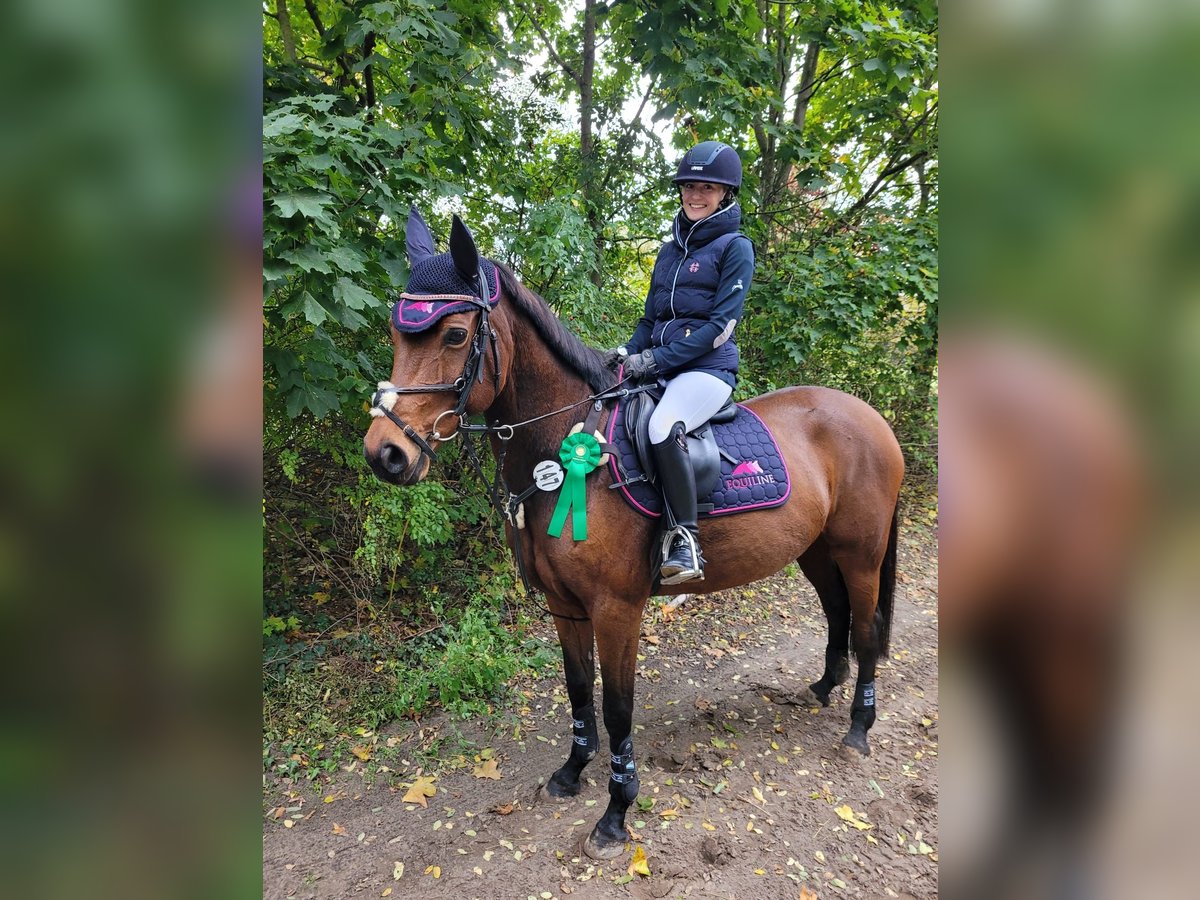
(469, 339)
(685, 338)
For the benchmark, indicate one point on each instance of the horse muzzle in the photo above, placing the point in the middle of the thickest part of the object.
(392, 464)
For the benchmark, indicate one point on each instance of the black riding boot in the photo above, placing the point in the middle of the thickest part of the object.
(683, 561)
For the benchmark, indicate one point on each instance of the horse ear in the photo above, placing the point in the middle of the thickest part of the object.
(462, 250)
(417, 239)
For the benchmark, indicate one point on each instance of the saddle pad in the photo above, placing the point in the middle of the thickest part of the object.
(758, 480)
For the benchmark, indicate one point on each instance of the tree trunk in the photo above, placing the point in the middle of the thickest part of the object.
(587, 161)
(285, 30)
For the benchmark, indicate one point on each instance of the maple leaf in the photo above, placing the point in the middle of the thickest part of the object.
(420, 789)
(846, 814)
(489, 768)
(363, 753)
(638, 864)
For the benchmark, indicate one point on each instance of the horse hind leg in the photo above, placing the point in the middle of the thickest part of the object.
(820, 569)
(871, 585)
(579, 665)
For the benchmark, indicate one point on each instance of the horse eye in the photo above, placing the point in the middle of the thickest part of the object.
(455, 336)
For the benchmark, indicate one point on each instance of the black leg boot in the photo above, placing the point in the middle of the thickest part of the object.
(683, 561)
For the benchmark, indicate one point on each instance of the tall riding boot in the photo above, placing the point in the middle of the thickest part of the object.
(682, 561)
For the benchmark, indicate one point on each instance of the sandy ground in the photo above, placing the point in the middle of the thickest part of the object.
(743, 792)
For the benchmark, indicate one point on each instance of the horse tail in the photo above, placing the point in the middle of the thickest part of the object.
(887, 586)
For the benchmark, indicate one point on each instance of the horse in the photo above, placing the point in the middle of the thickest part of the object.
(504, 355)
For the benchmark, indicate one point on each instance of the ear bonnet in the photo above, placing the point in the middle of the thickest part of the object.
(442, 283)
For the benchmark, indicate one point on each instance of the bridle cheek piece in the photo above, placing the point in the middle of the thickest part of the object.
(384, 398)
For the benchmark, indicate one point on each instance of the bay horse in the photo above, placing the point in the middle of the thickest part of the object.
(502, 353)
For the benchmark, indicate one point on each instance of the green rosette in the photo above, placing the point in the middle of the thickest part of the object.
(580, 454)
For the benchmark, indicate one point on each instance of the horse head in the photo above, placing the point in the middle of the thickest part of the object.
(445, 353)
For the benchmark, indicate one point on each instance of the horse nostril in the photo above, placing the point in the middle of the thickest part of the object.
(393, 459)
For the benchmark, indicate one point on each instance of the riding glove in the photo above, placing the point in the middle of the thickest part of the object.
(614, 357)
(641, 367)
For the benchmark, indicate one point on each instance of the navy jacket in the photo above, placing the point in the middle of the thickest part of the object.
(696, 297)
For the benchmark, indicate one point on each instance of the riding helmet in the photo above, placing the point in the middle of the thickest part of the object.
(711, 161)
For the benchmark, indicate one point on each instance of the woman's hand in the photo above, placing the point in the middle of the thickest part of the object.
(641, 367)
(614, 357)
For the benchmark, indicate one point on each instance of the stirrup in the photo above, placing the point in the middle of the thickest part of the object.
(693, 572)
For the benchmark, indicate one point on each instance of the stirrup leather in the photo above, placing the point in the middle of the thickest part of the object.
(693, 570)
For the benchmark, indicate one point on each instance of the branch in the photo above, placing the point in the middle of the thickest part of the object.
(369, 75)
(311, 6)
(625, 139)
(566, 67)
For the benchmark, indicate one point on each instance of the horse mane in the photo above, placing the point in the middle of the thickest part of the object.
(582, 359)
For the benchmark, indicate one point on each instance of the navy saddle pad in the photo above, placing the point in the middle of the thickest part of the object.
(757, 479)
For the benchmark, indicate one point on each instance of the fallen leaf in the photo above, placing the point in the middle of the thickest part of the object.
(668, 814)
(758, 795)
(503, 810)
(846, 814)
(387, 892)
(638, 865)
(288, 823)
(708, 826)
(489, 768)
(806, 894)
(652, 639)
(398, 871)
(420, 789)
(338, 829)
(363, 753)
(278, 812)
(329, 798)
(435, 871)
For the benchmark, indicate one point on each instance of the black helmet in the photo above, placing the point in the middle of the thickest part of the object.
(713, 162)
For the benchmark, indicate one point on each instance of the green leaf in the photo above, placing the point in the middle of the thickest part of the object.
(873, 64)
(346, 258)
(310, 204)
(308, 258)
(314, 311)
(274, 126)
(351, 295)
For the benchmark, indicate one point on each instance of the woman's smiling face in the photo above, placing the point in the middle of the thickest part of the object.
(701, 199)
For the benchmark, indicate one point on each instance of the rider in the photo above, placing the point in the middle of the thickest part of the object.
(684, 339)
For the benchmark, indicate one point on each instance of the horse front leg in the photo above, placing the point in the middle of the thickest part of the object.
(579, 664)
(617, 643)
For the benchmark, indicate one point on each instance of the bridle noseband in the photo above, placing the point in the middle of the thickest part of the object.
(384, 397)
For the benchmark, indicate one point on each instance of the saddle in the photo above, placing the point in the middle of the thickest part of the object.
(702, 443)
(736, 460)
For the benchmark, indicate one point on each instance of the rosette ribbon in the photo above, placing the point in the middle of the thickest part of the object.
(580, 454)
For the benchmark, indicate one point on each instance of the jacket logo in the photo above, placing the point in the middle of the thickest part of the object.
(738, 286)
(694, 267)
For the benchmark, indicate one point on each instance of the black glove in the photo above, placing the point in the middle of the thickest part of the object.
(614, 357)
(641, 367)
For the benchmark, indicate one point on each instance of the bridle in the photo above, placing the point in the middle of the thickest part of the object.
(384, 397)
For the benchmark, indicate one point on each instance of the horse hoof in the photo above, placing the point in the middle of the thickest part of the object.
(809, 698)
(854, 749)
(602, 849)
(558, 790)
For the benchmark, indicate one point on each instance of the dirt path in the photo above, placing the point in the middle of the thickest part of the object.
(743, 793)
